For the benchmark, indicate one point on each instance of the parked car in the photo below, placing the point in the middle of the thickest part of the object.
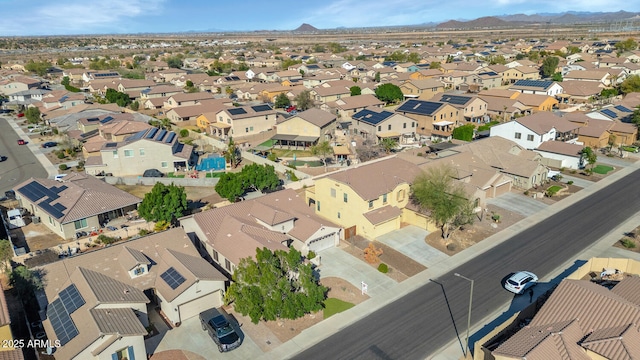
(80, 234)
(291, 108)
(5, 111)
(220, 330)
(20, 115)
(3, 158)
(21, 142)
(59, 177)
(152, 173)
(49, 144)
(520, 281)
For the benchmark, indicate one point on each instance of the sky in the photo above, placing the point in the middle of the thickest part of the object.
(73, 17)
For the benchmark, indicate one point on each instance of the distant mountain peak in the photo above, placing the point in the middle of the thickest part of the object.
(306, 28)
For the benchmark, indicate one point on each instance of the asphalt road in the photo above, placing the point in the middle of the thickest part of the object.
(21, 164)
(417, 325)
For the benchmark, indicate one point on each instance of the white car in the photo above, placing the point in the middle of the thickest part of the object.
(520, 281)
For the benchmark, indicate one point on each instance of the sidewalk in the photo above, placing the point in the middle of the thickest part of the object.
(35, 149)
(453, 351)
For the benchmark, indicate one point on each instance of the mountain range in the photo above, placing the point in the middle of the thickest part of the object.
(565, 18)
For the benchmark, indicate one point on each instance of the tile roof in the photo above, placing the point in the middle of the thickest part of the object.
(383, 214)
(106, 289)
(562, 148)
(120, 321)
(542, 122)
(317, 117)
(620, 342)
(130, 258)
(629, 289)
(81, 196)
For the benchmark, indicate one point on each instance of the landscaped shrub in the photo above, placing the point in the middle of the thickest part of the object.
(106, 239)
(628, 243)
(63, 167)
(311, 255)
(144, 232)
(495, 217)
(383, 268)
(61, 155)
(184, 133)
(570, 182)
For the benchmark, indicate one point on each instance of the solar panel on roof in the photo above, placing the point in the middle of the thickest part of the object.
(111, 145)
(151, 133)
(161, 135)
(623, 108)
(420, 107)
(31, 195)
(609, 113)
(172, 277)
(260, 108)
(371, 117)
(237, 111)
(71, 298)
(455, 99)
(534, 83)
(136, 136)
(170, 138)
(106, 120)
(46, 206)
(61, 322)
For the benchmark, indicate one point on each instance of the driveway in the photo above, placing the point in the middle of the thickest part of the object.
(517, 203)
(337, 263)
(577, 181)
(410, 240)
(190, 336)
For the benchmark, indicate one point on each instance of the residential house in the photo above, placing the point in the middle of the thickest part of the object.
(539, 87)
(320, 78)
(189, 113)
(538, 102)
(560, 154)
(482, 80)
(344, 108)
(269, 94)
(243, 121)
(111, 131)
(155, 103)
(97, 303)
(91, 75)
(601, 76)
(148, 149)
(159, 91)
(453, 79)
(186, 99)
(168, 75)
(27, 97)
(323, 95)
(305, 128)
(532, 130)
(12, 350)
(471, 108)
(276, 221)
(376, 123)
(423, 89)
(504, 109)
(512, 75)
(134, 87)
(426, 113)
(368, 208)
(80, 202)
(579, 92)
(18, 84)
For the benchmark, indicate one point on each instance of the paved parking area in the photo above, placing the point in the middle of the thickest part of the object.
(410, 240)
(517, 203)
(337, 263)
(577, 181)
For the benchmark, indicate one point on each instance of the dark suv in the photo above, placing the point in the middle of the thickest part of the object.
(152, 173)
(220, 330)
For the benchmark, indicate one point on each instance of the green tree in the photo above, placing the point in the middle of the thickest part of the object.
(6, 254)
(25, 282)
(608, 93)
(388, 144)
(117, 97)
(135, 105)
(230, 186)
(276, 285)
(549, 66)
(377, 77)
(631, 84)
(174, 62)
(414, 58)
(321, 150)
(434, 65)
(355, 90)
(436, 191)
(590, 157)
(635, 119)
(260, 177)
(389, 93)
(303, 100)
(232, 154)
(38, 67)
(282, 101)
(626, 45)
(464, 132)
(32, 114)
(164, 202)
(557, 77)
(497, 59)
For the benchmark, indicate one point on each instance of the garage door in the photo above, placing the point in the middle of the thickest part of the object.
(503, 189)
(196, 306)
(322, 243)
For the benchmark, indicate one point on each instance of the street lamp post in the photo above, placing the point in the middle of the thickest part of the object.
(469, 314)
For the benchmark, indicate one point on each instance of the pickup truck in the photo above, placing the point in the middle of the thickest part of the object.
(220, 330)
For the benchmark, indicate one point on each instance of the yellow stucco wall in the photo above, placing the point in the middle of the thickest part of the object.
(297, 126)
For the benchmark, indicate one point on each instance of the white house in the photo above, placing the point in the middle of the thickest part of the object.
(531, 131)
(537, 87)
(559, 154)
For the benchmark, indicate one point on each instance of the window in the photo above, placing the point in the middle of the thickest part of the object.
(384, 198)
(338, 214)
(404, 125)
(413, 124)
(389, 127)
(50, 221)
(164, 164)
(124, 354)
(220, 119)
(518, 135)
(128, 153)
(80, 224)
(227, 264)
(246, 129)
(529, 137)
(379, 128)
(138, 271)
(333, 193)
(215, 255)
(318, 203)
(250, 128)
(400, 196)
(141, 152)
(370, 204)
(345, 197)
(115, 154)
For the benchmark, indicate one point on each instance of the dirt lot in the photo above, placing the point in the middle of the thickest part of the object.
(271, 334)
(632, 237)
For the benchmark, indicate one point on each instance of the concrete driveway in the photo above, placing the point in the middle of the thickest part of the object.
(410, 241)
(190, 336)
(577, 181)
(337, 263)
(517, 203)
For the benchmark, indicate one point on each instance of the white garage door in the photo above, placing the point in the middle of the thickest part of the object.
(196, 306)
(322, 243)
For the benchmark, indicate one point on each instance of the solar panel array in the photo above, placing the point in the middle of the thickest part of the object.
(260, 108)
(455, 99)
(151, 133)
(609, 113)
(161, 135)
(534, 83)
(170, 138)
(106, 120)
(111, 145)
(237, 111)
(623, 108)
(34, 191)
(99, 75)
(172, 277)
(371, 117)
(71, 298)
(489, 73)
(419, 107)
(137, 136)
(61, 322)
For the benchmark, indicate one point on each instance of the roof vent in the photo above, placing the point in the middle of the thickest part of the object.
(228, 235)
(126, 291)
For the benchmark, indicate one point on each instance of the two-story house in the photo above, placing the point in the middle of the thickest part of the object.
(376, 123)
(472, 108)
(426, 113)
(243, 121)
(423, 89)
(537, 87)
(305, 128)
(532, 130)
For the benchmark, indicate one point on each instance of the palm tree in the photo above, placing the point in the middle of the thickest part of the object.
(388, 144)
(232, 154)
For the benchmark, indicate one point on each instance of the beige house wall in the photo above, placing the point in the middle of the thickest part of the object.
(298, 126)
(425, 123)
(146, 155)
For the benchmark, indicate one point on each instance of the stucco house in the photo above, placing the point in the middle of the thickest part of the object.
(243, 121)
(540, 87)
(79, 202)
(305, 128)
(423, 89)
(152, 148)
(532, 130)
(559, 154)
(18, 84)
(472, 108)
(276, 221)
(376, 123)
(348, 106)
(97, 303)
(426, 113)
